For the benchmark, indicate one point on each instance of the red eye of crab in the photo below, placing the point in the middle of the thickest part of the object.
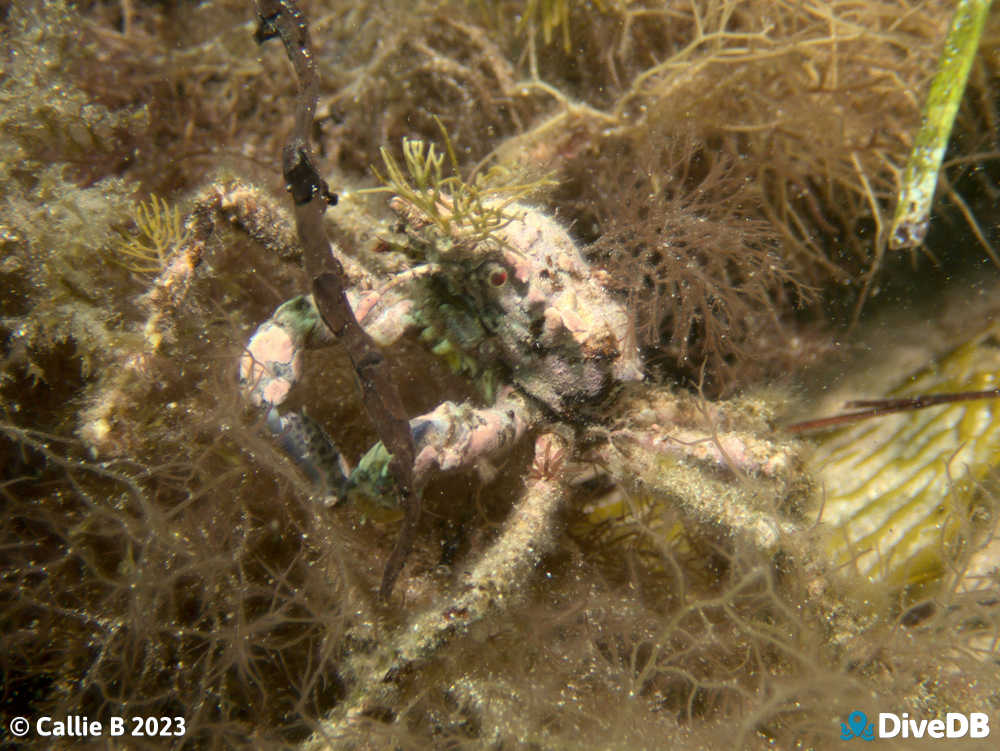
(498, 277)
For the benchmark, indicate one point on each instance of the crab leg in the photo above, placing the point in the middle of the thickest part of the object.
(452, 436)
(272, 364)
(487, 590)
(719, 470)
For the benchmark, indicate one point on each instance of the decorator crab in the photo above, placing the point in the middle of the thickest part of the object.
(518, 307)
(504, 292)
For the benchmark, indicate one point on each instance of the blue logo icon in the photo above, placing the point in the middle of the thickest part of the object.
(857, 726)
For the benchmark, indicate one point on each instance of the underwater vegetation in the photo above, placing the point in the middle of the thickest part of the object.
(903, 488)
(158, 233)
(728, 170)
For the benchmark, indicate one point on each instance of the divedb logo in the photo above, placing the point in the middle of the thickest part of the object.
(890, 725)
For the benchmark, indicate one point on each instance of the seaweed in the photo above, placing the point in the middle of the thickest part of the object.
(703, 272)
(552, 15)
(158, 233)
(180, 569)
(469, 212)
(281, 18)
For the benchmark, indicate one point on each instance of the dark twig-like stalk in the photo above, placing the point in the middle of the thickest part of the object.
(282, 18)
(869, 408)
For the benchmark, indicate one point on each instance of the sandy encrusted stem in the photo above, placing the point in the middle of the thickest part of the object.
(717, 464)
(493, 583)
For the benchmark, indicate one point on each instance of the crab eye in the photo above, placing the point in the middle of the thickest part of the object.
(496, 274)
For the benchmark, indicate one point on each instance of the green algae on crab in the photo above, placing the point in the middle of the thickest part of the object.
(900, 491)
